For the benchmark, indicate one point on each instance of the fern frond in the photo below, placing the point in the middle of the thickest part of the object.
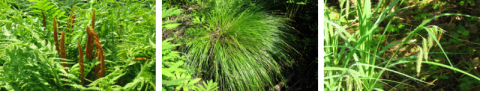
(47, 8)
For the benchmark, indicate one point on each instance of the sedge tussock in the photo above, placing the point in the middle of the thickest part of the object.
(80, 61)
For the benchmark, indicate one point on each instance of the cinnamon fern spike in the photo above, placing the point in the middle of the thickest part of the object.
(89, 46)
(44, 23)
(73, 21)
(141, 59)
(101, 73)
(68, 22)
(62, 49)
(80, 61)
(93, 19)
(119, 8)
(54, 30)
(62, 52)
(55, 38)
(70, 18)
(100, 67)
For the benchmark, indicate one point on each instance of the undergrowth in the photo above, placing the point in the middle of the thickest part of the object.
(121, 52)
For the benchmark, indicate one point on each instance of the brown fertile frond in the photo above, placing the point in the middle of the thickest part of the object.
(89, 43)
(101, 73)
(54, 29)
(70, 21)
(119, 8)
(44, 23)
(55, 38)
(62, 48)
(73, 21)
(100, 57)
(80, 61)
(62, 44)
(141, 59)
(136, 20)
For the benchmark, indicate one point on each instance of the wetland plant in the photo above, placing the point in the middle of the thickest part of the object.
(241, 46)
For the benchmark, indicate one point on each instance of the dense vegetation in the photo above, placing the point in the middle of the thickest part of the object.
(239, 45)
(77, 45)
(401, 45)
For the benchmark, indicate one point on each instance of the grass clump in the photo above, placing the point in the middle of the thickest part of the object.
(240, 46)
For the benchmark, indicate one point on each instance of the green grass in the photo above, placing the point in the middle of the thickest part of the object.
(352, 59)
(240, 46)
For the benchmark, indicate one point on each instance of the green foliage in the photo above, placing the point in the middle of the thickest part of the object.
(197, 20)
(455, 39)
(439, 76)
(27, 68)
(240, 45)
(174, 76)
(467, 82)
(462, 30)
(167, 13)
(422, 16)
(29, 61)
(50, 9)
(463, 3)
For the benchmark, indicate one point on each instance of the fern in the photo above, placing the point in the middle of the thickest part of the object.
(167, 13)
(50, 9)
